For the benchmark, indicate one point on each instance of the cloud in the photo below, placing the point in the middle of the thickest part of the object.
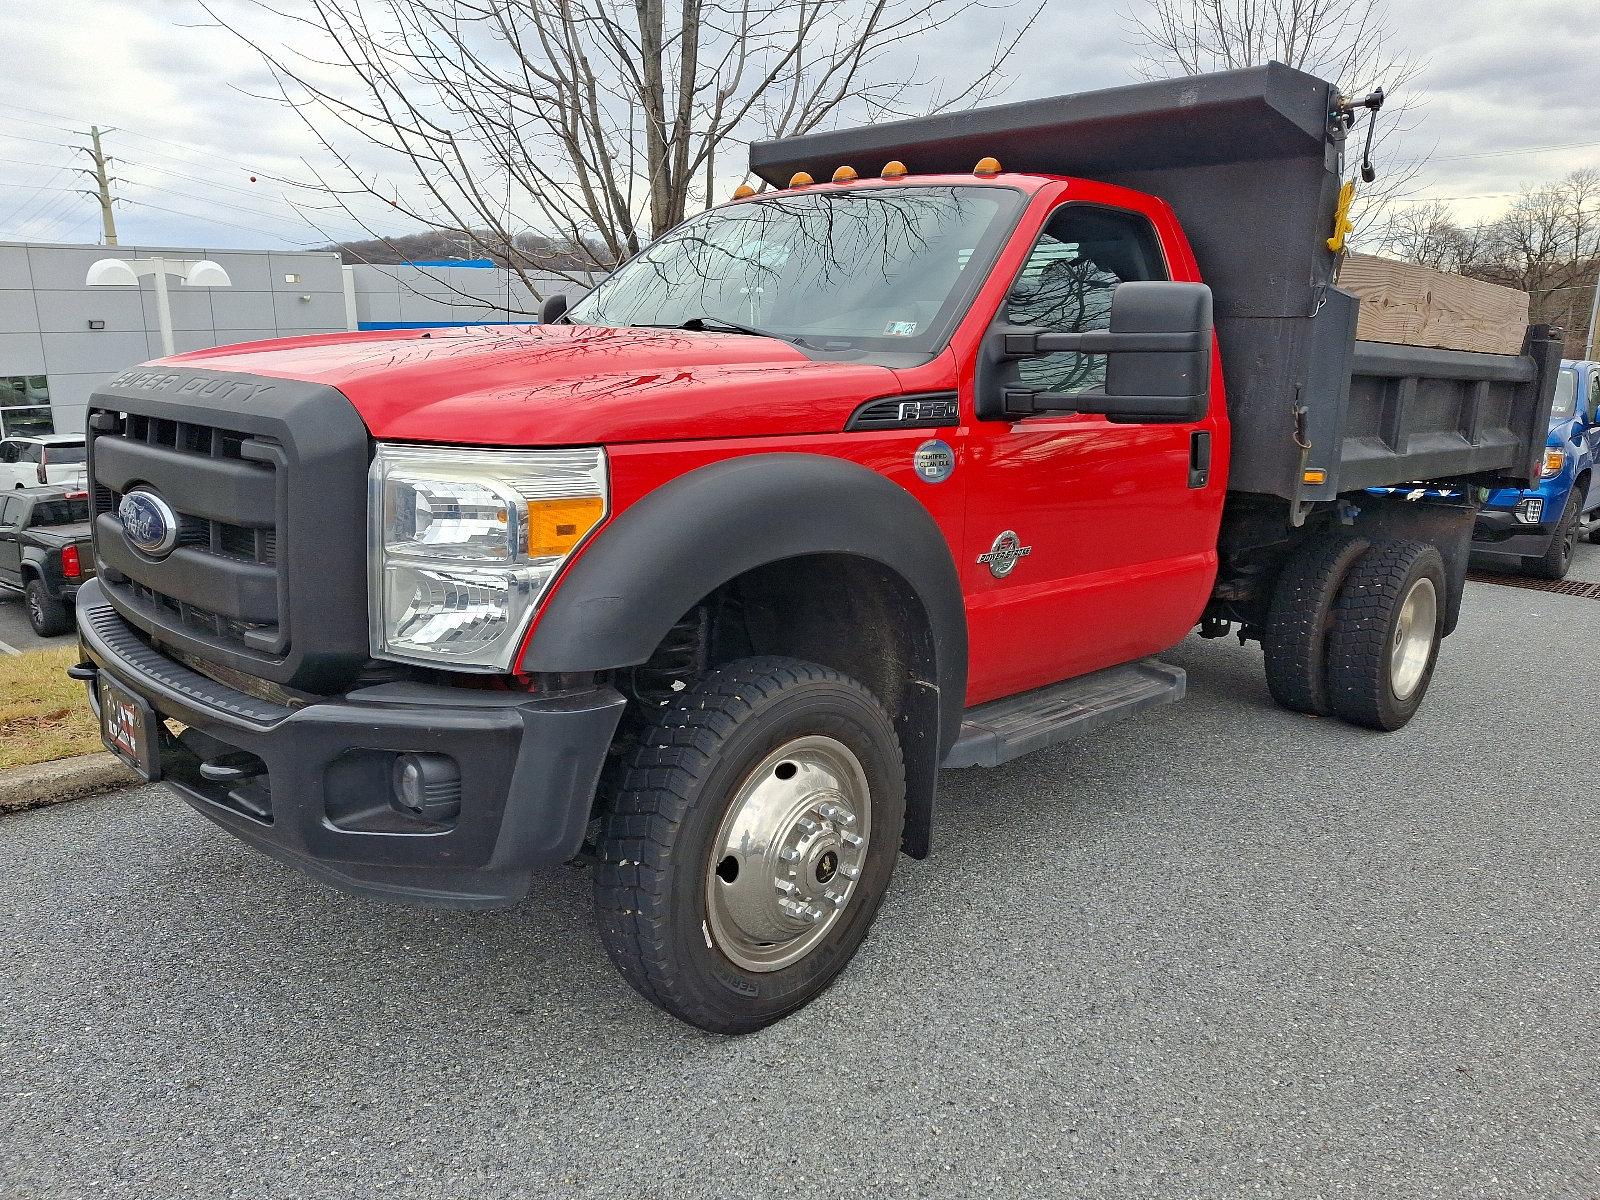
(1498, 81)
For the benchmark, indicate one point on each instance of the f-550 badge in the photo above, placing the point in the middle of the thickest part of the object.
(1003, 555)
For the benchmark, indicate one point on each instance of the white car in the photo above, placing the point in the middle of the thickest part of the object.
(28, 461)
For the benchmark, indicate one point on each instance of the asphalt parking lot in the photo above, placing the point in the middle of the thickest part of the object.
(16, 635)
(1220, 950)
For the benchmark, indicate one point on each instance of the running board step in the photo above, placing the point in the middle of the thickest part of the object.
(1001, 730)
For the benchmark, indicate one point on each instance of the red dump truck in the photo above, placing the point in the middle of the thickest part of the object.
(914, 461)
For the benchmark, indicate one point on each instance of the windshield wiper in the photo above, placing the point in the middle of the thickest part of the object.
(721, 325)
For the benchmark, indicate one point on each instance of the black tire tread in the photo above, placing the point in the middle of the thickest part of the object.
(657, 786)
(1294, 642)
(1358, 647)
(1549, 565)
(57, 619)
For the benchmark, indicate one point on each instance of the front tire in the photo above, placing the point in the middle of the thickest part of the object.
(1386, 633)
(751, 842)
(1556, 561)
(48, 616)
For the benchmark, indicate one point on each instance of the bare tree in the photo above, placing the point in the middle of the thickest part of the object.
(1548, 245)
(598, 124)
(1350, 42)
(1429, 235)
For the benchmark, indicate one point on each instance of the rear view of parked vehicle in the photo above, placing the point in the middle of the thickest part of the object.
(37, 460)
(1538, 528)
(45, 553)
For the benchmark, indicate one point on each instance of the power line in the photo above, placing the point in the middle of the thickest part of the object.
(210, 220)
(1517, 150)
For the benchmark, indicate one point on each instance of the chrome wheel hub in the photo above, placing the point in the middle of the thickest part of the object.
(1412, 644)
(786, 862)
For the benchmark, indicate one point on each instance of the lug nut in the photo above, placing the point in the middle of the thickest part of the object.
(850, 871)
(851, 839)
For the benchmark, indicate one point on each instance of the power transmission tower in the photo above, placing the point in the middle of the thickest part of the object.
(103, 182)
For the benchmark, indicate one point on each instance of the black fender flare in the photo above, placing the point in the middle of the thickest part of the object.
(666, 552)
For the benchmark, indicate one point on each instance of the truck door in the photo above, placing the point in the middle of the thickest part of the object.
(1591, 409)
(10, 473)
(1088, 543)
(12, 511)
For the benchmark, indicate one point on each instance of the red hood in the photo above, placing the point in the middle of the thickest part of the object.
(566, 384)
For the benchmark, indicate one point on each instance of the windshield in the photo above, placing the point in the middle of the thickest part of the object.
(886, 269)
(1566, 401)
(59, 512)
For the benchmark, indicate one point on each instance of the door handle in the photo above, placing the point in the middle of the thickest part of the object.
(1199, 458)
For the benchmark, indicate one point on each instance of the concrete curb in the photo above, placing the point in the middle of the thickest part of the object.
(39, 784)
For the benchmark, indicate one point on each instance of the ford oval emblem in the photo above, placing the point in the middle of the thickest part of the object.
(149, 523)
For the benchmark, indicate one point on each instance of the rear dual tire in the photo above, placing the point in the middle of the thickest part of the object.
(1353, 629)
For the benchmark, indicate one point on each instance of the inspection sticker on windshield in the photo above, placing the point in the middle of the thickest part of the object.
(935, 461)
(900, 329)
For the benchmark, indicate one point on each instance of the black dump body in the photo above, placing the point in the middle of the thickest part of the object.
(1252, 162)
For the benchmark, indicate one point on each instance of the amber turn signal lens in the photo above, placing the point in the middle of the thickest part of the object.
(801, 179)
(556, 526)
(1315, 475)
(895, 170)
(987, 166)
(1554, 460)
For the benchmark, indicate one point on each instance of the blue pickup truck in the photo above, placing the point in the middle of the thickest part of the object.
(1538, 528)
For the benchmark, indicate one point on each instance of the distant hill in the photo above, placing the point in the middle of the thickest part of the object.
(435, 245)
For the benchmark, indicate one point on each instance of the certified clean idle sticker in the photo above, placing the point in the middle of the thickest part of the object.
(935, 461)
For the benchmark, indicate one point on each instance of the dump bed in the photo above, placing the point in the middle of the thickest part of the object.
(1252, 162)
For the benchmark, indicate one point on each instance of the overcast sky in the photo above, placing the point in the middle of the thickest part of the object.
(1510, 94)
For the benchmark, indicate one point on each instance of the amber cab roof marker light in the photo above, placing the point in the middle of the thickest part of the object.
(895, 169)
(845, 175)
(801, 179)
(743, 192)
(987, 166)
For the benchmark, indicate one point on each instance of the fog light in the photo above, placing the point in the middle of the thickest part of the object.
(427, 786)
(1530, 510)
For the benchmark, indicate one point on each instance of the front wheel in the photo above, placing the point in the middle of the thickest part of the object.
(1556, 561)
(751, 842)
(1386, 632)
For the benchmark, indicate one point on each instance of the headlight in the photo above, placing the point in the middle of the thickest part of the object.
(463, 543)
(1554, 460)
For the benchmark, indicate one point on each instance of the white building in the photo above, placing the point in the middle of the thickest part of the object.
(59, 338)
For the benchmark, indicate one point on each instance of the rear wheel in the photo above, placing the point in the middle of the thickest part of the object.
(1386, 632)
(48, 616)
(751, 842)
(1295, 641)
(1556, 561)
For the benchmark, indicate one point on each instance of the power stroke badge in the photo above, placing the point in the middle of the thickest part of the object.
(934, 461)
(1002, 557)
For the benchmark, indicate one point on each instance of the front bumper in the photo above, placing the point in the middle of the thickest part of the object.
(1498, 535)
(321, 794)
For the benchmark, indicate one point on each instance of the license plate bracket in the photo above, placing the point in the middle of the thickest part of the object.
(129, 728)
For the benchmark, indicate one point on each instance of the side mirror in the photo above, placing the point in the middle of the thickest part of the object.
(1158, 357)
(555, 307)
